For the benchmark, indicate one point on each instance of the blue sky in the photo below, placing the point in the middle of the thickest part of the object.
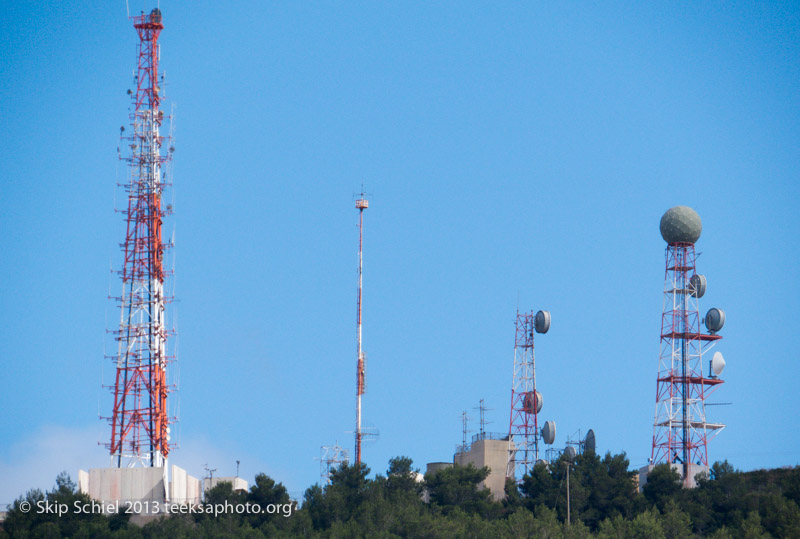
(517, 155)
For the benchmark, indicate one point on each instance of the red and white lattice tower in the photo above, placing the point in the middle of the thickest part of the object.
(361, 204)
(526, 400)
(140, 421)
(680, 429)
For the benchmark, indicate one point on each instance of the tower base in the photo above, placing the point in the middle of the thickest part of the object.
(694, 470)
(143, 492)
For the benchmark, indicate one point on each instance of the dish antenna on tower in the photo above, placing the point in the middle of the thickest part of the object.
(549, 432)
(717, 364)
(590, 442)
(532, 403)
(541, 322)
(697, 285)
(714, 320)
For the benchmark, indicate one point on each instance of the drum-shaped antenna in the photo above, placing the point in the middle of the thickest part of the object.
(697, 285)
(549, 432)
(541, 321)
(715, 319)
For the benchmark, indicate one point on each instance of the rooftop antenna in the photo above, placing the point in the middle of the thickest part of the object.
(483, 409)
(209, 471)
(464, 431)
(237, 468)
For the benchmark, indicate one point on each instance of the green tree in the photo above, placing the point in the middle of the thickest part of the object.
(316, 506)
(221, 494)
(752, 528)
(614, 528)
(604, 487)
(267, 494)
(459, 486)
(177, 526)
(36, 522)
(780, 516)
(540, 487)
(599, 488)
(721, 533)
(341, 500)
(662, 483)
(674, 522)
(646, 525)
(720, 500)
(576, 530)
(544, 525)
(514, 500)
(401, 478)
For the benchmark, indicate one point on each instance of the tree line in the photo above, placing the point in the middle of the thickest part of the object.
(603, 497)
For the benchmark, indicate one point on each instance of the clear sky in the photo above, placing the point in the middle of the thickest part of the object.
(517, 155)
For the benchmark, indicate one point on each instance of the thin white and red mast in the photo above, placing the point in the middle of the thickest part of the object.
(361, 204)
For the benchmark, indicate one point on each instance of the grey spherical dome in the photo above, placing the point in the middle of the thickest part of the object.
(681, 224)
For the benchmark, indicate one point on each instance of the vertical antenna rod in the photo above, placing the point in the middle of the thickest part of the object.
(361, 204)
(482, 408)
(464, 431)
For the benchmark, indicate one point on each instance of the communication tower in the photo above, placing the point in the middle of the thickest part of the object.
(361, 358)
(526, 400)
(331, 457)
(680, 430)
(140, 423)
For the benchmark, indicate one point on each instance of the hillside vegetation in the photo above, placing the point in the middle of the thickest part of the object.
(604, 502)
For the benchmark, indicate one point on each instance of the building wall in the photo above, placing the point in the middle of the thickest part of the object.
(491, 453)
(237, 482)
(83, 481)
(121, 485)
(112, 485)
(184, 489)
(434, 467)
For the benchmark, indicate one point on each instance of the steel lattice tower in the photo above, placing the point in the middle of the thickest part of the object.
(526, 401)
(330, 458)
(680, 430)
(140, 422)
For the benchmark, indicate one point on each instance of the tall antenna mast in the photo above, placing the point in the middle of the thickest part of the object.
(140, 431)
(361, 204)
(526, 400)
(680, 429)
